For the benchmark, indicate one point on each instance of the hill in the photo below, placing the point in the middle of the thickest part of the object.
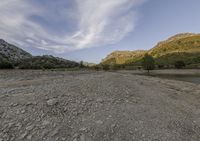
(12, 53)
(181, 47)
(122, 57)
(12, 56)
(46, 62)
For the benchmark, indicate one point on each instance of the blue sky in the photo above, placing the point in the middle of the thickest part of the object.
(90, 29)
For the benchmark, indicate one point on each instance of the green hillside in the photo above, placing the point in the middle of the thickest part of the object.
(122, 57)
(181, 47)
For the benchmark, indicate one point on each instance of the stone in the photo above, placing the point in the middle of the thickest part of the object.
(99, 122)
(83, 129)
(29, 137)
(30, 127)
(52, 102)
(100, 100)
(23, 111)
(24, 135)
(45, 122)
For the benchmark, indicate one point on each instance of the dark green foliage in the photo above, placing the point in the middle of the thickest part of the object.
(161, 66)
(115, 67)
(180, 64)
(46, 62)
(96, 67)
(6, 65)
(148, 62)
(106, 67)
(81, 65)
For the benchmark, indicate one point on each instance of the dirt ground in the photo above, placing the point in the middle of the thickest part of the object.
(96, 106)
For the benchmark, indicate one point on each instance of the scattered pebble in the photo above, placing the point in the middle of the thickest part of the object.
(52, 102)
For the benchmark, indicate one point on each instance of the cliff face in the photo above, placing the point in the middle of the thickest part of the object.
(12, 56)
(12, 53)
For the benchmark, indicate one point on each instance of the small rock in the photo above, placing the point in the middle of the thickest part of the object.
(82, 138)
(29, 137)
(19, 125)
(29, 103)
(83, 129)
(52, 102)
(23, 135)
(30, 127)
(100, 100)
(1, 112)
(99, 122)
(56, 131)
(14, 104)
(63, 139)
(45, 122)
(23, 111)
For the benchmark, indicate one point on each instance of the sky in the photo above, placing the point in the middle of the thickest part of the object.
(89, 30)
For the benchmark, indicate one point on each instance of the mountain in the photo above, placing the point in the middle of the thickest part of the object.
(184, 47)
(181, 47)
(122, 57)
(46, 62)
(11, 53)
(12, 56)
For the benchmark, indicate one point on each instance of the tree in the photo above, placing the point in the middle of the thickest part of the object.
(6, 65)
(105, 67)
(148, 62)
(179, 64)
(81, 64)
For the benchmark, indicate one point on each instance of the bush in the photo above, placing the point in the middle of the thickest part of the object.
(115, 67)
(148, 63)
(81, 65)
(96, 67)
(180, 64)
(6, 65)
(46, 62)
(106, 67)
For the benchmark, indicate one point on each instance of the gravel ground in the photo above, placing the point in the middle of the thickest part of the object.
(96, 106)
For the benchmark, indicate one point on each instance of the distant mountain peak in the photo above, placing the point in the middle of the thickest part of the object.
(12, 53)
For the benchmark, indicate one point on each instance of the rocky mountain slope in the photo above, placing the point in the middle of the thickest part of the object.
(11, 53)
(184, 47)
(12, 56)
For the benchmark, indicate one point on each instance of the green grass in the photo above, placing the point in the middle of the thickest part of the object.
(181, 47)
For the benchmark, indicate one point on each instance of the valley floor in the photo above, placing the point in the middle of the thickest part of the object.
(96, 106)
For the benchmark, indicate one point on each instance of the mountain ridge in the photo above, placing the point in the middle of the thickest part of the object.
(177, 47)
(12, 53)
(12, 56)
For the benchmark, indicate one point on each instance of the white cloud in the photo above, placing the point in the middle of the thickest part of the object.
(99, 22)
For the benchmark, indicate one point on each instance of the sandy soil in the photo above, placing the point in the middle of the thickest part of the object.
(96, 106)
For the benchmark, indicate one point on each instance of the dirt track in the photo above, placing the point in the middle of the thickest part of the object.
(96, 106)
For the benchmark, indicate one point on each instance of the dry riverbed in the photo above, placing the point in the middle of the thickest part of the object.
(96, 106)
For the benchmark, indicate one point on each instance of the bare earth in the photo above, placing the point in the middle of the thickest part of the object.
(96, 106)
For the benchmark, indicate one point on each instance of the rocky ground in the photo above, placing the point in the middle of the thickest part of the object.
(96, 106)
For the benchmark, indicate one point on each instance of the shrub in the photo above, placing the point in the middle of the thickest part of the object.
(180, 64)
(106, 67)
(148, 62)
(6, 65)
